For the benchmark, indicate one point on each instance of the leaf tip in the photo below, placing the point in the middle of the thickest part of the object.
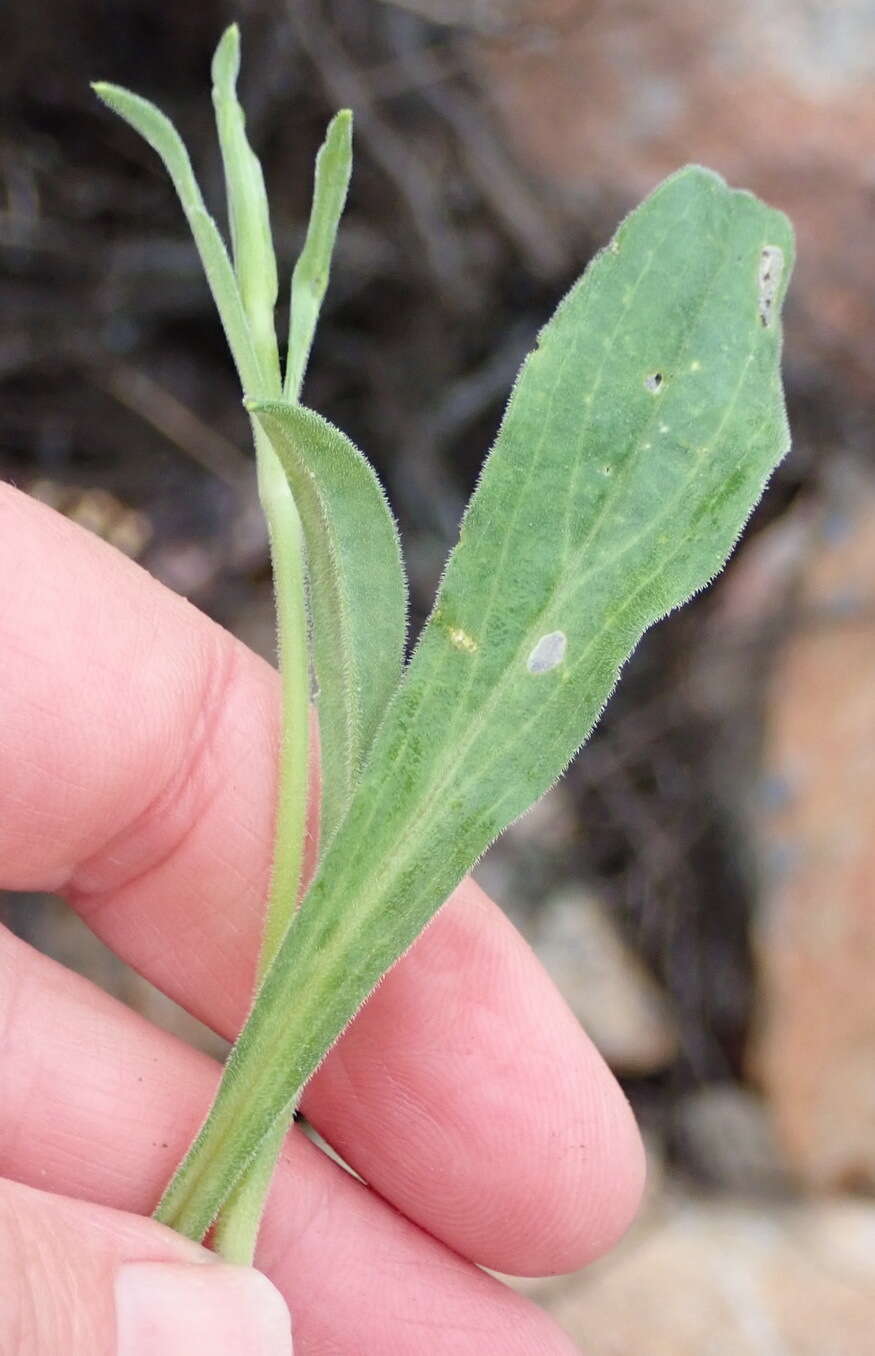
(104, 91)
(129, 106)
(340, 129)
(226, 58)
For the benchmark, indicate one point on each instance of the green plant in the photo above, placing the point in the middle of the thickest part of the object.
(639, 434)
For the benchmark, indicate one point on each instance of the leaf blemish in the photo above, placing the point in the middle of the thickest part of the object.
(462, 641)
(653, 383)
(548, 653)
(771, 267)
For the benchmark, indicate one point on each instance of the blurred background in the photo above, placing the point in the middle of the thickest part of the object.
(700, 885)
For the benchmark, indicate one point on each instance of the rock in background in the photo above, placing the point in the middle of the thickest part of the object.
(728, 1279)
(814, 1050)
(605, 983)
(606, 98)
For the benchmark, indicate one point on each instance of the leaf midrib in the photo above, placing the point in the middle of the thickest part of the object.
(381, 881)
(474, 724)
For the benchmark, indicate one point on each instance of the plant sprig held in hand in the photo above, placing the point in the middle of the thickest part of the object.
(639, 435)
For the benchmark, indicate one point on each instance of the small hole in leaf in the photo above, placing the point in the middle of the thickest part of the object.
(606, 470)
(653, 383)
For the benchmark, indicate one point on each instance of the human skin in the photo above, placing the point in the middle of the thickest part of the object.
(137, 766)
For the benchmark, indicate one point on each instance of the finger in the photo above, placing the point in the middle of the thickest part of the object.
(88, 1281)
(470, 1080)
(98, 1103)
(139, 778)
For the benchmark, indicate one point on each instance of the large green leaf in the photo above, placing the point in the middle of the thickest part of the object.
(358, 592)
(640, 433)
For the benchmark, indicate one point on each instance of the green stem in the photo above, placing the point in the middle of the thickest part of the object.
(245, 294)
(288, 560)
(236, 1229)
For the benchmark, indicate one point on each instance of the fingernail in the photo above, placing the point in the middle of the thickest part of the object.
(175, 1309)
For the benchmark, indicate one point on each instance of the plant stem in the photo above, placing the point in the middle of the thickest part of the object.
(288, 560)
(236, 1228)
(245, 295)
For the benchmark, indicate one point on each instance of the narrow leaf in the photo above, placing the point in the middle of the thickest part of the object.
(310, 277)
(357, 590)
(248, 214)
(639, 435)
(163, 137)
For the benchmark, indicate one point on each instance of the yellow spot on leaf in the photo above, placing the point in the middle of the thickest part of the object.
(462, 640)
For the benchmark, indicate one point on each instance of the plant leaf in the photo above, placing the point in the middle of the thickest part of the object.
(248, 213)
(156, 128)
(310, 276)
(639, 435)
(358, 594)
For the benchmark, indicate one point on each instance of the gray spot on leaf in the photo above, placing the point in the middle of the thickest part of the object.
(653, 383)
(548, 653)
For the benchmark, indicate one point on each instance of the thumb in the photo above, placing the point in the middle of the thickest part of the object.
(89, 1281)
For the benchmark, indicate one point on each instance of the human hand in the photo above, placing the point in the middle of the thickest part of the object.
(137, 775)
